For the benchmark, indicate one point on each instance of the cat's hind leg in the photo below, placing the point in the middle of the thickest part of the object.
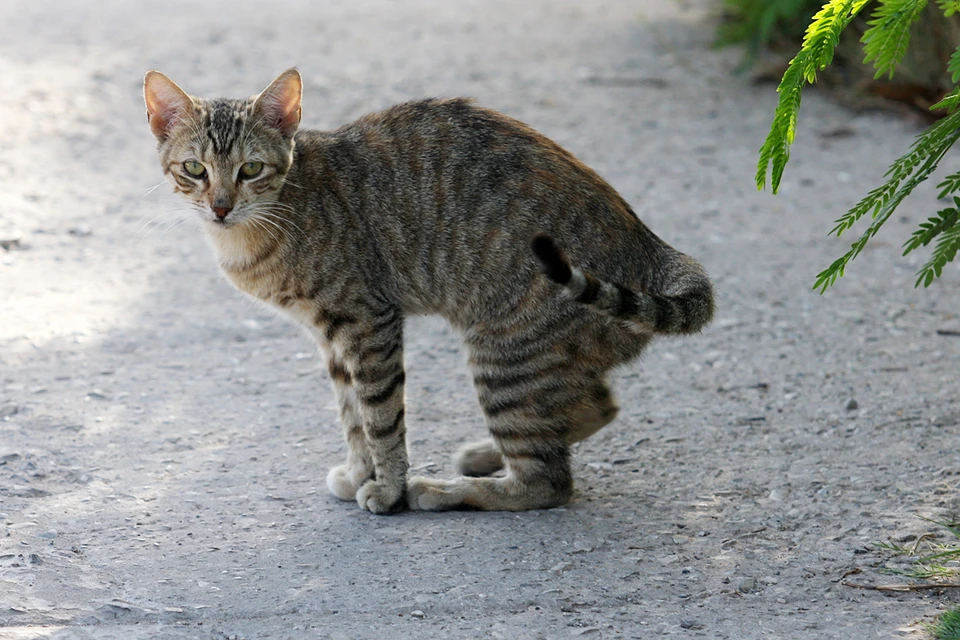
(481, 458)
(532, 395)
(537, 463)
(598, 409)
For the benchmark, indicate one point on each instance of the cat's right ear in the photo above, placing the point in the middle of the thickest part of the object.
(167, 103)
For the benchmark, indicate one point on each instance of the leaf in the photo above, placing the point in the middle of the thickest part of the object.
(953, 67)
(903, 177)
(950, 102)
(950, 184)
(947, 246)
(930, 229)
(817, 50)
(931, 143)
(949, 7)
(888, 34)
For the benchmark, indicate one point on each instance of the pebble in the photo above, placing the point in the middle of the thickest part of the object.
(9, 411)
(560, 568)
(48, 535)
(690, 623)
(852, 405)
(747, 585)
(417, 613)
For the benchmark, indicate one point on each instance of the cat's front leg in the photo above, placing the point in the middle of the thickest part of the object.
(374, 358)
(344, 480)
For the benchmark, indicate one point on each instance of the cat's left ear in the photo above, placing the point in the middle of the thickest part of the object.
(279, 104)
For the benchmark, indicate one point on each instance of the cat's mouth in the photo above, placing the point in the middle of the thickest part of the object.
(222, 223)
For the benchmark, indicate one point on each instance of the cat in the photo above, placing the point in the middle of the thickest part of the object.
(433, 207)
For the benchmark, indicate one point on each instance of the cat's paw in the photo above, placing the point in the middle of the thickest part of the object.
(381, 498)
(478, 459)
(344, 481)
(427, 494)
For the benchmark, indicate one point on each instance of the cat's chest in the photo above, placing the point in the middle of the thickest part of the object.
(276, 288)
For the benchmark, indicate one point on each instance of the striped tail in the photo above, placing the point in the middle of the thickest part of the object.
(686, 311)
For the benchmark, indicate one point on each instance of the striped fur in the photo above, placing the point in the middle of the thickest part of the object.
(429, 207)
(687, 310)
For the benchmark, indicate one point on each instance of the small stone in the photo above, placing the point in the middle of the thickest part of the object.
(768, 580)
(35, 559)
(560, 568)
(417, 613)
(48, 535)
(81, 231)
(9, 410)
(690, 623)
(747, 585)
(852, 405)
(8, 244)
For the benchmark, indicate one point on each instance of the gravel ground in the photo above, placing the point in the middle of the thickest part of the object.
(164, 441)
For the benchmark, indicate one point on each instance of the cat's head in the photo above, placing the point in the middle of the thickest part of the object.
(227, 157)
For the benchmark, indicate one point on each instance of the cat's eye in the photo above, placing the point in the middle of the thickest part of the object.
(251, 169)
(194, 168)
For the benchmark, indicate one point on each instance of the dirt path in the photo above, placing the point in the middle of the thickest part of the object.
(164, 442)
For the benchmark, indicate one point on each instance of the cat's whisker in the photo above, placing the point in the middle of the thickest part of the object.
(273, 224)
(152, 189)
(164, 221)
(265, 211)
(258, 222)
(144, 224)
(175, 225)
(277, 208)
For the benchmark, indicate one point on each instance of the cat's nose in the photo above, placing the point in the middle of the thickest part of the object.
(222, 211)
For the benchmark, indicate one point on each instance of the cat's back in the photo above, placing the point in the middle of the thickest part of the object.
(449, 170)
(449, 195)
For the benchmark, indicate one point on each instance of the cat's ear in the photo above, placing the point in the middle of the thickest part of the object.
(167, 104)
(279, 104)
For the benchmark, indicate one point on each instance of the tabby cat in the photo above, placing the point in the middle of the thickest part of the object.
(443, 207)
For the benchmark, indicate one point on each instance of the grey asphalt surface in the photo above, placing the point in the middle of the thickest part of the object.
(164, 441)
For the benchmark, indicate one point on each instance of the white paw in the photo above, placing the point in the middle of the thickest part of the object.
(381, 498)
(424, 494)
(344, 482)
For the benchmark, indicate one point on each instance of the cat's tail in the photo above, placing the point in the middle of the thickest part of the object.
(687, 308)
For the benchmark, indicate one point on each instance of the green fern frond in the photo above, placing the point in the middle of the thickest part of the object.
(945, 219)
(950, 102)
(949, 185)
(888, 34)
(949, 7)
(902, 178)
(947, 246)
(953, 66)
(926, 152)
(819, 43)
